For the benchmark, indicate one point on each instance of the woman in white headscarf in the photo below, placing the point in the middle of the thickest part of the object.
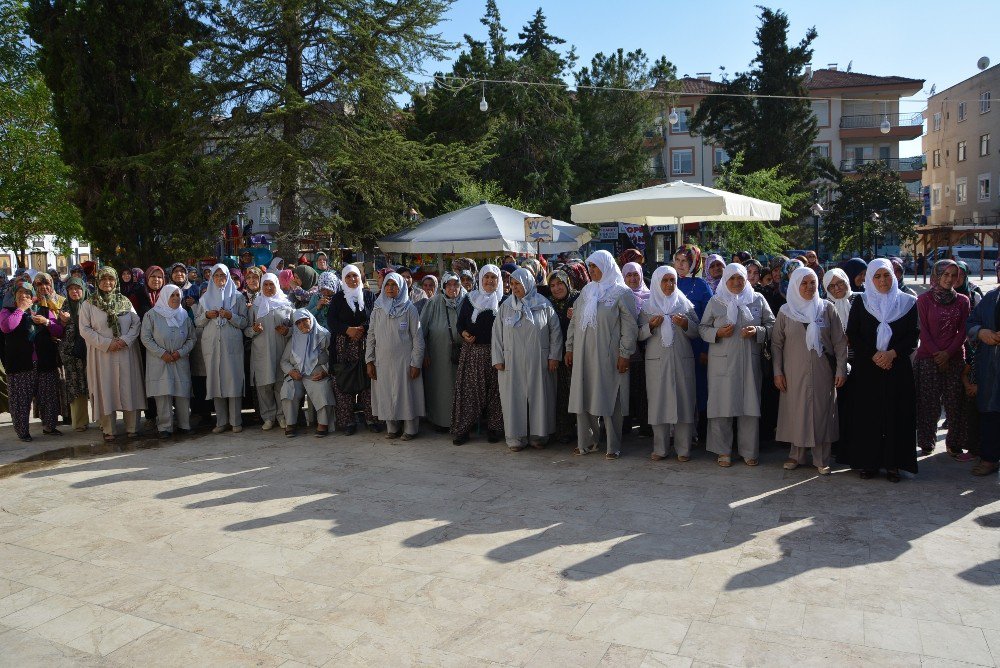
(599, 342)
(268, 331)
(477, 394)
(169, 335)
(527, 345)
(394, 354)
(837, 285)
(809, 351)
(221, 315)
(667, 323)
(439, 323)
(883, 330)
(735, 324)
(305, 364)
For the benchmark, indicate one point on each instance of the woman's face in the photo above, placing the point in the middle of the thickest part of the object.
(517, 288)
(207, 274)
(428, 285)
(43, 288)
(859, 280)
(252, 281)
(558, 289)
(326, 292)
(270, 289)
(155, 280)
(322, 264)
(949, 277)
(682, 264)
(776, 275)
(390, 289)
(304, 325)
(668, 284)
(807, 288)
(352, 280)
(837, 288)
(75, 293)
(506, 284)
(179, 276)
(633, 280)
(753, 274)
(451, 289)
(175, 300)
(736, 283)
(882, 280)
(595, 272)
(467, 283)
(219, 277)
(107, 283)
(490, 282)
(407, 278)
(715, 269)
(126, 276)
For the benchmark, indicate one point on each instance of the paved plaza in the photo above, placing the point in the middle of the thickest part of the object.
(254, 549)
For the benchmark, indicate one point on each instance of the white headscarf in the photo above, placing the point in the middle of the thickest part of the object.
(843, 306)
(596, 291)
(273, 266)
(393, 307)
(885, 308)
(808, 312)
(355, 296)
(735, 304)
(175, 317)
(660, 304)
(482, 300)
(532, 301)
(216, 297)
(267, 304)
(305, 347)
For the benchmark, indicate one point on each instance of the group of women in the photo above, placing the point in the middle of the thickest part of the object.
(582, 354)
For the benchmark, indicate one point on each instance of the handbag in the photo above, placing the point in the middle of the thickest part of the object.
(350, 376)
(456, 348)
(79, 349)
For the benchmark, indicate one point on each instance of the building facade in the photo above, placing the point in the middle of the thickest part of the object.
(44, 253)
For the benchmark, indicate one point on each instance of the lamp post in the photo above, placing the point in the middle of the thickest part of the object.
(875, 220)
(817, 211)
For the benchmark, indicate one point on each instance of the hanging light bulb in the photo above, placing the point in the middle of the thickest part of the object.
(422, 90)
(673, 118)
(885, 126)
(483, 105)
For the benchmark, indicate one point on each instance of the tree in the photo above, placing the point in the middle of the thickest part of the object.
(766, 184)
(311, 83)
(34, 181)
(134, 123)
(770, 131)
(613, 123)
(873, 204)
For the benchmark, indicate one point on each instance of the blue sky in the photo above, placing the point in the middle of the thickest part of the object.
(936, 41)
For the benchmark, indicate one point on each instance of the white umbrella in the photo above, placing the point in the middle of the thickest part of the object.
(674, 203)
(483, 228)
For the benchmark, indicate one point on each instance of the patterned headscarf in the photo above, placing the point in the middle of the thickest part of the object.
(113, 303)
(940, 295)
(693, 255)
(787, 270)
(73, 307)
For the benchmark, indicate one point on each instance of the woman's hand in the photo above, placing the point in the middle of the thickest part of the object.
(370, 368)
(838, 382)
(569, 358)
(282, 330)
(223, 313)
(23, 301)
(427, 362)
(39, 319)
(116, 345)
(355, 333)
(941, 358)
(553, 366)
(703, 359)
(781, 383)
(622, 364)
(988, 336)
(498, 367)
(414, 372)
(294, 374)
(167, 357)
(748, 332)
(680, 320)
(884, 359)
(258, 327)
(655, 322)
(323, 301)
(64, 316)
(468, 338)
(211, 315)
(176, 355)
(725, 332)
(318, 375)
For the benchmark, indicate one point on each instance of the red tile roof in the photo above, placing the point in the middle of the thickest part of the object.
(694, 86)
(824, 78)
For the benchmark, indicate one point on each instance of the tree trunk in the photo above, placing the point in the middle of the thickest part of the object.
(288, 214)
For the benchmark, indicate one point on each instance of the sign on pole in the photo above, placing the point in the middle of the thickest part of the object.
(538, 229)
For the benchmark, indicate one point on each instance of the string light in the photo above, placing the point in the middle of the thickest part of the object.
(885, 126)
(483, 105)
(673, 118)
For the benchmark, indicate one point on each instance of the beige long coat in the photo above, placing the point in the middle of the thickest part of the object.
(114, 379)
(807, 412)
(670, 385)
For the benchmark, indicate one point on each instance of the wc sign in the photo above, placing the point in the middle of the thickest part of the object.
(538, 229)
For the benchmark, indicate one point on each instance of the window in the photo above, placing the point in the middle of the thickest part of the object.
(266, 215)
(961, 151)
(984, 102)
(961, 190)
(719, 158)
(883, 153)
(984, 144)
(681, 126)
(937, 122)
(961, 111)
(821, 150)
(821, 110)
(682, 161)
(936, 158)
(984, 188)
(936, 196)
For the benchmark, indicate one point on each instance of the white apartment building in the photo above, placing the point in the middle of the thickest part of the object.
(43, 253)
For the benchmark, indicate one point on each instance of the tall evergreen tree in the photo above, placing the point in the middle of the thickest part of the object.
(133, 121)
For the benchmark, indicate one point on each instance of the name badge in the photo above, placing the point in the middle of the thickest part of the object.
(755, 312)
(821, 322)
(609, 302)
(404, 325)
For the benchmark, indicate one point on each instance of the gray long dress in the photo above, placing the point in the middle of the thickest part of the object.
(596, 383)
(222, 350)
(439, 377)
(527, 387)
(266, 347)
(320, 391)
(807, 414)
(163, 379)
(394, 345)
(114, 379)
(734, 362)
(670, 385)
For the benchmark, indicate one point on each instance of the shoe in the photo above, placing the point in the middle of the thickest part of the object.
(268, 425)
(461, 439)
(281, 422)
(579, 453)
(516, 448)
(392, 434)
(964, 457)
(867, 474)
(683, 458)
(926, 451)
(613, 455)
(982, 468)
(656, 458)
(218, 430)
(790, 465)
(751, 462)
(350, 429)
(322, 433)
(724, 461)
(823, 470)
(408, 437)
(80, 429)
(134, 434)
(289, 432)
(892, 476)
(375, 428)
(492, 436)
(237, 429)
(52, 432)
(27, 438)
(183, 432)
(163, 435)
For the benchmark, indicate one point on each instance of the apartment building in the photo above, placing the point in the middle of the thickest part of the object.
(963, 163)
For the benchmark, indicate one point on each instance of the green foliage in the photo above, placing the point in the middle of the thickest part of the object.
(766, 184)
(472, 192)
(875, 189)
(34, 181)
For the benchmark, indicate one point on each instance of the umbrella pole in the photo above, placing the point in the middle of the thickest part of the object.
(440, 259)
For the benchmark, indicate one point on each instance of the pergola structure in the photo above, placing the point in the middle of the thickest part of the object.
(936, 236)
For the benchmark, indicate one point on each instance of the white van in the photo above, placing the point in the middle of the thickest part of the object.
(971, 255)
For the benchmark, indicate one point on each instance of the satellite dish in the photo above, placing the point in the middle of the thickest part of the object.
(983, 63)
(933, 89)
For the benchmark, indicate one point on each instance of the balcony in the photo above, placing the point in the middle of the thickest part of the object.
(902, 126)
(908, 168)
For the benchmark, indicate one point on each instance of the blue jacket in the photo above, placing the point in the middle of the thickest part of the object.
(987, 357)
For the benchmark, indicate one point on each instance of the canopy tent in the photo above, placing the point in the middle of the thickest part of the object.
(483, 228)
(674, 203)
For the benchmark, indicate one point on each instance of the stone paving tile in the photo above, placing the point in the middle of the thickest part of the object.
(235, 551)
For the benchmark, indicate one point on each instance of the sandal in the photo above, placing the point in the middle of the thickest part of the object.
(683, 458)
(578, 452)
(108, 438)
(613, 455)
(655, 457)
(790, 464)
(985, 468)
(750, 462)
(724, 461)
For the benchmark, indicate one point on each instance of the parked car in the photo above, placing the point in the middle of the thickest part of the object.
(978, 258)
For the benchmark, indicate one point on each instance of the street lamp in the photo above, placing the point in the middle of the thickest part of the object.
(875, 218)
(817, 211)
